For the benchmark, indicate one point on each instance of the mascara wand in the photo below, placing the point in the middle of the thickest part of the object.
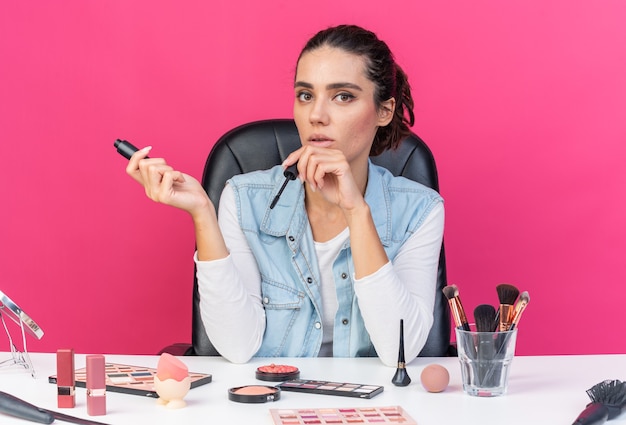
(290, 173)
(608, 398)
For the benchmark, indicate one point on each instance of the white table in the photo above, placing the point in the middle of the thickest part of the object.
(542, 390)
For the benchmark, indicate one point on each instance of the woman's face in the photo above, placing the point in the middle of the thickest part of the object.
(334, 103)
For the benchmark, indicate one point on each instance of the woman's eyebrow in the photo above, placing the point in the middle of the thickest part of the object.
(333, 86)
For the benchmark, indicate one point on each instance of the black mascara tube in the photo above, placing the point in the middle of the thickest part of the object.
(125, 148)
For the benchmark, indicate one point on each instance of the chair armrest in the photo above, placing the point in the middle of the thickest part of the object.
(178, 349)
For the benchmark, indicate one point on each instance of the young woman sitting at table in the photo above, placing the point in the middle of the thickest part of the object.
(348, 250)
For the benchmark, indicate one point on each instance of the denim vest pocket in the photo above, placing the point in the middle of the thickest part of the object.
(279, 296)
(282, 304)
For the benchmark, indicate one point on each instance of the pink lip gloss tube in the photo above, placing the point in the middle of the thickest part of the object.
(96, 386)
(65, 378)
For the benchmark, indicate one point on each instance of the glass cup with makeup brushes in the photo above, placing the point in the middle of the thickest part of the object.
(485, 355)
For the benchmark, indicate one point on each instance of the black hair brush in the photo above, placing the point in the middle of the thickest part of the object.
(608, 398)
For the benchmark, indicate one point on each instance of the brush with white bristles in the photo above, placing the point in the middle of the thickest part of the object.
(520, 306)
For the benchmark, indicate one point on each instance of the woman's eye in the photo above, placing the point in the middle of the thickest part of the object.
(304, 96)
(344, 97)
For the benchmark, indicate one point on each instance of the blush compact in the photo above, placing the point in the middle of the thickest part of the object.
(277, 373)
(254, 394)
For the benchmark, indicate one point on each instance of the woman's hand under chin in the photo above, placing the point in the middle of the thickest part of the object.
(328, 172)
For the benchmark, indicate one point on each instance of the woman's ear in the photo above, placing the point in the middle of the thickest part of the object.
(385, 112)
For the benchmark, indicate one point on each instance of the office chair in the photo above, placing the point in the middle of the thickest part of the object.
(261, 145)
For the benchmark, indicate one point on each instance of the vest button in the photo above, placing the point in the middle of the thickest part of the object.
(266, 300)
(291, 238)
(345, 321)
(344, 275)
(318, 325)
(309, 279)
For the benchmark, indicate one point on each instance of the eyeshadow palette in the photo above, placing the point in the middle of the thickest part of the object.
(344, 415)
(128, 379)
(331, 388)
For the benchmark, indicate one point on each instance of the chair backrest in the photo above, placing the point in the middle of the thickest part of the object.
(261, 145)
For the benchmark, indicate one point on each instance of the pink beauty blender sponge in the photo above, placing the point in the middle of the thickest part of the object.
(170, 367)
(172, 381)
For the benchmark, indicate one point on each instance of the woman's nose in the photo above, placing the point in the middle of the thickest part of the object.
(319, 112)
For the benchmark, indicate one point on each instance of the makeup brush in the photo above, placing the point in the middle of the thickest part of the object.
(13, 406)
(507, 294)
(451, 292)
(520, 306)
(401, 377)
(608, 399)
(485, 349)
(483, 317)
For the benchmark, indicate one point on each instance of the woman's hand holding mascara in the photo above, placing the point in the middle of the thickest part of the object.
(327, 171)
(166, 185)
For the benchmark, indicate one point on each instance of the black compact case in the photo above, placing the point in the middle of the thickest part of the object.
(254, 394)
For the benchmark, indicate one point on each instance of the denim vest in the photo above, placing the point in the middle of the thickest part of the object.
(282, 243)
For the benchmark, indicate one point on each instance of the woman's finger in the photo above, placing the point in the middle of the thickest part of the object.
(293, 159)
(152, 175)
(166, 188)
(132, 168)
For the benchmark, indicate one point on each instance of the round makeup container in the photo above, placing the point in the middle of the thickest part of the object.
(277, 373)
(254, 394)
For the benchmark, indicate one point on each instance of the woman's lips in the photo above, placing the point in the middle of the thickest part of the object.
(320, 140)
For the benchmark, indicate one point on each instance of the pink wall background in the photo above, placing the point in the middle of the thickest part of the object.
(523, 104)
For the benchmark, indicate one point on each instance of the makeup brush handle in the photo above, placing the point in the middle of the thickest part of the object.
(14, 406)
(594, 414)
